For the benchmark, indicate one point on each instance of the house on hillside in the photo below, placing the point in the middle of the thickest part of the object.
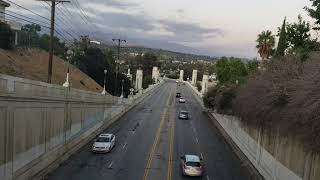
(3, 6)
(15, 26)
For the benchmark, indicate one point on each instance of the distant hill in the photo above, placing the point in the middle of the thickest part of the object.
(127, 51)
(33, 64)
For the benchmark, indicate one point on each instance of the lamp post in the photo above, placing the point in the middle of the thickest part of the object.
(104, 82)
(69, 55)
(122, 89)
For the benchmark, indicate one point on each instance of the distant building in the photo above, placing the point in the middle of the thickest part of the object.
(15, 26)
(3, 6)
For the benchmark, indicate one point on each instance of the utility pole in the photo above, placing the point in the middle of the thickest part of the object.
(118, 62)
(53, 10)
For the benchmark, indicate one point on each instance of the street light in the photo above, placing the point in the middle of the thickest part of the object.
(122, 89)
(104, 82)
(69, 55)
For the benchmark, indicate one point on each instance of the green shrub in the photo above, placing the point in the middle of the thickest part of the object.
(199, 86)
(209, 98)
(225, 101)
(147, 80)
(220, 98)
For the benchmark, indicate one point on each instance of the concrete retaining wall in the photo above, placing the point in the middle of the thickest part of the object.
(43, 124)
(274, 156)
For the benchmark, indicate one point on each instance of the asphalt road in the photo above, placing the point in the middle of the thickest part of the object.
(150, 140)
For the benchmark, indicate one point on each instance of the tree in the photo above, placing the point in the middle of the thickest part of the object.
(93, 61)
(230, 70)
(252, 66)
(314, 13)
(266, 42)
(298, 34)
(282, 44)
(59, 47)
(29, 35)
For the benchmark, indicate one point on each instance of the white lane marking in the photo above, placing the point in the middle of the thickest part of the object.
(197, 140)
(201, 155)
(125, 144)
(110, 165)
(208, 177)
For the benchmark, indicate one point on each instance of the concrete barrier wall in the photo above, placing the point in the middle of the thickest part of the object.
(276, 157)
(42, 124)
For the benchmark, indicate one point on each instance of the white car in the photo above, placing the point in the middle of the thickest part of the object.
(182, 100)
(184, 115)
(191, 165)
(104, 143)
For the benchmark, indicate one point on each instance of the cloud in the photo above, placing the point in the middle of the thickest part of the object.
(180, 11)
(112, 3)
(113, 18)
(189, 32)
(126, 21)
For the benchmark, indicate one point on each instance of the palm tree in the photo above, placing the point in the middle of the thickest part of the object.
(266, 42)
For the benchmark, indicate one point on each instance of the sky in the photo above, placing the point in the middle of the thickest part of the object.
(209, 27)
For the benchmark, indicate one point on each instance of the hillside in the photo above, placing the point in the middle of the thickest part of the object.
(33, 64)
(126, 51)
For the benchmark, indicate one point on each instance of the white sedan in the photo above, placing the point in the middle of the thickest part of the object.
(182, 100)
(104, 143)
(191, 165)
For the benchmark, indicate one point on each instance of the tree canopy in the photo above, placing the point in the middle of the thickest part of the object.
(266, 42)
(282, 44)
(230, 70)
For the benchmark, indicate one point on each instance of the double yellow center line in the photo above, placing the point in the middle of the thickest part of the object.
(170, 159)
(156, 140)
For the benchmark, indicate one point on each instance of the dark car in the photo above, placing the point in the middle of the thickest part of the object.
(184, 115)
(178, 95)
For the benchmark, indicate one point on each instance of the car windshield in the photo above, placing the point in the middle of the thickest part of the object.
(193, 164)
(103, 139)
(186, 113)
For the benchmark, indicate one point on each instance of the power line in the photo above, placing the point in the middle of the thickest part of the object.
(57, 31)
(29, 10)
(32, 22)
(81, 17)
(63, 23)
(84, 13)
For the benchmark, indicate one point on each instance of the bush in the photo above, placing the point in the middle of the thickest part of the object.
(285, 98)
(147, 80)
(199, 86)
(172, 76)
(209, 97)
(6, 36)
(220, 98)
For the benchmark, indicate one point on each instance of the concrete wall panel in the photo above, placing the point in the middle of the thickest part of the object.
(3, 118)
(55, 127)
(76, 118)
(41, 124)
(28, 135)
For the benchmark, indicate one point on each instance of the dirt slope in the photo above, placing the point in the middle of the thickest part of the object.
(33, 64)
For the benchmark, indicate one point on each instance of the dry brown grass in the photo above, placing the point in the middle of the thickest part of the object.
(33, 64)
(287, 96)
